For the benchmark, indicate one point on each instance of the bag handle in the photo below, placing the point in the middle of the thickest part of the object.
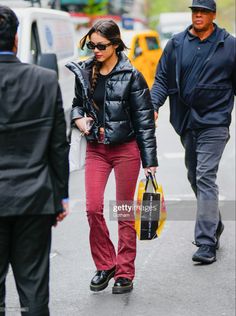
(154, 181)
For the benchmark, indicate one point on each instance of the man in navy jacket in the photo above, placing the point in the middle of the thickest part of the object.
(33, 170)
(198, 73)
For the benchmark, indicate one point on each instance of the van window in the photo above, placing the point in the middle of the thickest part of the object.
(152, 42)
(35, 49)
(57, 36)
(137, 49)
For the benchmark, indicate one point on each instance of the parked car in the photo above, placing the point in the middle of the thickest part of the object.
(144, 51)
(47, 38)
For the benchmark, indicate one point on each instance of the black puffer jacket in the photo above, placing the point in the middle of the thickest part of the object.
(128, 108)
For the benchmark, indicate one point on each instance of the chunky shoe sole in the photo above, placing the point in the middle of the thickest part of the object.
(100, 287)
(218, 236)
(122, 289)
(203, 259)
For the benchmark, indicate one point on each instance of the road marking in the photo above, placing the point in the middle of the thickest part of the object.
(179, 197)
(176, 155)
(53, 254)
(187, 196)
(190, 196)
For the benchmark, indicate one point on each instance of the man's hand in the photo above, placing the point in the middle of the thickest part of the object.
(61, 216)
(151, 170)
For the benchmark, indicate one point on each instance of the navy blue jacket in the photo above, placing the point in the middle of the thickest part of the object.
(213, 95)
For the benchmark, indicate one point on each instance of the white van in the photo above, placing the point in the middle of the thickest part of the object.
(47, 38)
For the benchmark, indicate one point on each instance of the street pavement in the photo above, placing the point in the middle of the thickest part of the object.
(167, 282)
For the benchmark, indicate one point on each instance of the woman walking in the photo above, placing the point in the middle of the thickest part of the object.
(112, 107)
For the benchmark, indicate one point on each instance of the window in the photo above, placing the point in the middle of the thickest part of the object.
(152, 43)
(35, 44)
(137, 49)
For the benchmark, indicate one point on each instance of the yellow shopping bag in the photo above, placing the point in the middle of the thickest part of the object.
(150, 211)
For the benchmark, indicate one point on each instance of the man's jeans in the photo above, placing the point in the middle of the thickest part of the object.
(203, 151)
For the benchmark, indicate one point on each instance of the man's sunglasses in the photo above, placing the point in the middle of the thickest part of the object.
(92, 46)
(202, 10)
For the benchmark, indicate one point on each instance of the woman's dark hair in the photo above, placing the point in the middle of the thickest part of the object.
(8, 28)
(110, 30)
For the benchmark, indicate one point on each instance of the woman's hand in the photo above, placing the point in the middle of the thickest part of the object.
(156, 118)
(151, 170)
(84, 124)
(155, 115)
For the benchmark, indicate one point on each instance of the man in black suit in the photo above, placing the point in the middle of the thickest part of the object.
(33, 170)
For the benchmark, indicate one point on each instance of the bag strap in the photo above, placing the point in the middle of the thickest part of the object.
(152, 178)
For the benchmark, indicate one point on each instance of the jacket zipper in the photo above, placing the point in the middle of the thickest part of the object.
(104, 108)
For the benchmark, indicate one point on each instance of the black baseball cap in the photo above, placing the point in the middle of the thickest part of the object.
(204, 4)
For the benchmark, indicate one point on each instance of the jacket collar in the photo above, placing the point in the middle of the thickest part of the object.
(211, 38)
(9, 59)
(83, 69)
(123, 63)
(221, 35)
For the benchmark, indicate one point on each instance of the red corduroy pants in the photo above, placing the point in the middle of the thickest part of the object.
(100, 160)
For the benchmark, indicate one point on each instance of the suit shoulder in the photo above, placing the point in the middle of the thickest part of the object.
(41, 71)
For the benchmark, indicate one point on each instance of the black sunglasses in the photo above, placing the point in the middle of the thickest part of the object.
(202, 10)
(92, 46)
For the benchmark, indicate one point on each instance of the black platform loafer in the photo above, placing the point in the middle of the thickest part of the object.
(101, 279)
(122, 285)
(219, 231)
(205, 254)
